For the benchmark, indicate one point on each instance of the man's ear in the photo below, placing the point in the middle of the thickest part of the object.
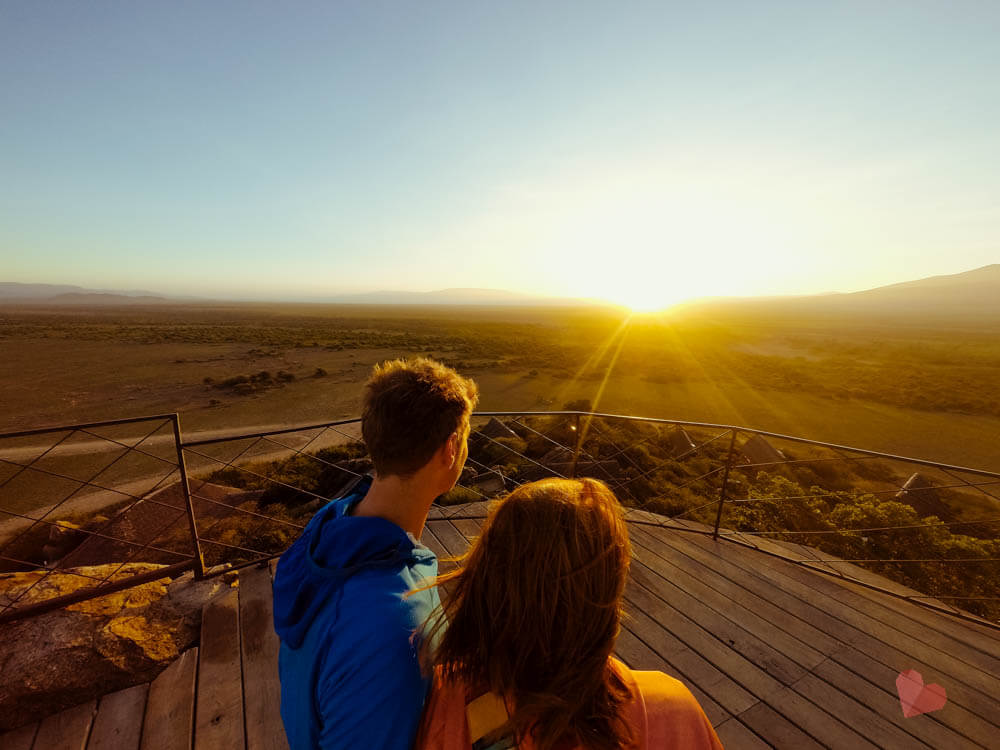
(451, 449)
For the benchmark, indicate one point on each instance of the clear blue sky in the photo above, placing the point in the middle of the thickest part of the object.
(264, 149)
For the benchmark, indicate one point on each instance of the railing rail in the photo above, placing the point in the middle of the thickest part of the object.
(245, 495)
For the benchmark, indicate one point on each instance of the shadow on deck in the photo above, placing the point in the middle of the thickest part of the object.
(778, 656)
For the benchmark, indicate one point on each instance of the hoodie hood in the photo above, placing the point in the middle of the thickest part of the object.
(332, 548)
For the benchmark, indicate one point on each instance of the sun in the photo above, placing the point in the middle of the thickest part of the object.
(640, 295)
(647, 305)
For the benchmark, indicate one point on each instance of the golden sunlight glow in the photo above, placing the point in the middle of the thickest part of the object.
(648, 242)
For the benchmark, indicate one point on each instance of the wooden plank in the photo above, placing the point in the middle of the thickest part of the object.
(450, 537)
(468, 527)
(696, 667)
(742, 627)
(735, 736)
(844, 570)
(849, 682)
(477, 509)
(430, 540)
(702, 628)
(118, 725)
(973, 638)
(637, 655)
(20, 738)
(729, 595)
(868, 661)
(876, 689)
(704, 572)
(893, 629)
(66, 730)
(876, 727)
(168, 723)
(261, 686)
(778, 730)
(219, 714)
(968, 684)
(757, 678)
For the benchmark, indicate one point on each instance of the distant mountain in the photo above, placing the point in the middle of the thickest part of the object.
(10, 290)
(105, 298)
(968, 296)
(65, 294)
(459, 296)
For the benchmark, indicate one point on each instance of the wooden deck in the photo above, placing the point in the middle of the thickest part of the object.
(777, 654)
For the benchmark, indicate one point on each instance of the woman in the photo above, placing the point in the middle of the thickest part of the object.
(521, 652)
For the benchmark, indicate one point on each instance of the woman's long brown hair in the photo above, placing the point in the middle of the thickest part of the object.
(534, 612)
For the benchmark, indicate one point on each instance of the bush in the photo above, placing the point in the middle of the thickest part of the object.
(458, 495)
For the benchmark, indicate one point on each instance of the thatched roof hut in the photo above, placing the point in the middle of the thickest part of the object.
(757, 450)
(923, 497)
(679, 442)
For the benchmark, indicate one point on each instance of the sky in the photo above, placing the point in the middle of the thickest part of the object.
(644, 153)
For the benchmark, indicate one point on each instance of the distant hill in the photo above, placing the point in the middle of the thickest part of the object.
(969, 296)
(105, 298)
(65, 294)
(458, 296)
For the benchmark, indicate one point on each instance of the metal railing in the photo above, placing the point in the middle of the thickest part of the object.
(210, 504)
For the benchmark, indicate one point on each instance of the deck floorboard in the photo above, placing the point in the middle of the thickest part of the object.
(219, 712)
(20, 738)
(259, 643)
(874, 650)
(66, 730)
(118, 725)
(169, 719)
(777, 654)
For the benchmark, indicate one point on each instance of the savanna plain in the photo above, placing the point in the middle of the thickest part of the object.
(923, 388)
(926, 389)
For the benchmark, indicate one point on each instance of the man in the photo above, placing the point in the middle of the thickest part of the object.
(348, 664)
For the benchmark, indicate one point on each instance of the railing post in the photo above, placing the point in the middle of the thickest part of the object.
(576, 448)
(725, 481)
(199, 560)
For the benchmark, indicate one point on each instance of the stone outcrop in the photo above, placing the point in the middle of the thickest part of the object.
(65, 657)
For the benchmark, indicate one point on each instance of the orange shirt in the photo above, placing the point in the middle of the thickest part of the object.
(663, 715)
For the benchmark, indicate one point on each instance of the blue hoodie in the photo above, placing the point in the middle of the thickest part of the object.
(349, 671)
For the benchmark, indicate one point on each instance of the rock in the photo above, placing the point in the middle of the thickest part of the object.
(62, 658)
(496, 429)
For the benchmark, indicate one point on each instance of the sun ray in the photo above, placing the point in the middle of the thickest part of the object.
(595, 402)
(594, 358)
